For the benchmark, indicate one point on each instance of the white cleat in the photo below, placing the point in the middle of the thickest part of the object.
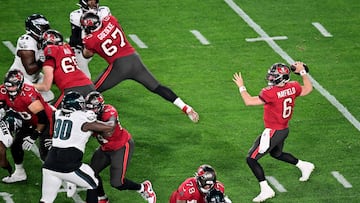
(17, 176)
(148, 194)
(264, 195)
(191, 113)
(306, 168)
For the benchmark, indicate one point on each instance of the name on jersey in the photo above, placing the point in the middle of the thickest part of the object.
(286, 92)
(106, 31)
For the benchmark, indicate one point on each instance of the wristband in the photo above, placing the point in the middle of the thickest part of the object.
(242, 89)
(303, 72)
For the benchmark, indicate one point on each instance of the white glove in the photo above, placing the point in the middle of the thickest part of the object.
(48, 143)
(27, 143)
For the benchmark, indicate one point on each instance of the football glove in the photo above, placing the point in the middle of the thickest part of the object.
(48, 143)
(27, 143)
(293, 68)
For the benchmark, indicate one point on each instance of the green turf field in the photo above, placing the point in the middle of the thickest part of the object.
(169, 147)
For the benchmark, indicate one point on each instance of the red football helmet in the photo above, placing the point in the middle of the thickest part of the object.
(278, 73)
(205, 178)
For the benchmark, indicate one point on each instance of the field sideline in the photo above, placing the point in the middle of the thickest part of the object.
(194, 48)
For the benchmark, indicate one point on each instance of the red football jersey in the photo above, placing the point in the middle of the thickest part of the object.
(279, 104)
(120, 135)
(66, 71)
(22, 101)
(109, 41)
(188, 190)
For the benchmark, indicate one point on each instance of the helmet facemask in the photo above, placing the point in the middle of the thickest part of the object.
(86, 7)
(278, 74)
(94, 101)
(205, 178)
(36, 24)
(51, 37)
(90, 22)
(14, 81)
(72, 101)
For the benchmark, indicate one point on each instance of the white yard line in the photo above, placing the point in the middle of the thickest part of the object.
(138, 41)
(200, 37)
(272, 180)
(6, 197)
(321, 29)
(264, 39)
(341, 108)
(341, 179)
(10, 46)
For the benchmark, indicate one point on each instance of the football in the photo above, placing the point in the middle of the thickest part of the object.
(293, 68)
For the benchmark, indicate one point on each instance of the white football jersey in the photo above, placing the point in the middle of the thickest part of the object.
(26, 42)
(67, 129)
(75, 16)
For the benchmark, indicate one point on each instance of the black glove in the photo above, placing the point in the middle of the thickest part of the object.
(215, 196)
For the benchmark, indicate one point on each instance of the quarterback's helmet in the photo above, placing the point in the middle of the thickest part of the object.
(72, 101)
(94, 101)
(85, 6)
(36, 24)
(205, 178)
(51, 37)
(90, 22)
(13, 82)
(278, 73)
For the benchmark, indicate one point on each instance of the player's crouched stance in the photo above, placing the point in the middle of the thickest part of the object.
(8, 126)
(203, 188)
(72, 129)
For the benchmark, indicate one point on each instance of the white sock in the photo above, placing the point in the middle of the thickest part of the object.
(141, 189)
(264, 184)
(299, 163)
(19, 167)
(179, 103)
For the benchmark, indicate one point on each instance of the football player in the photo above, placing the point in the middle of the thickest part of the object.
(278, 99)
(36, 115)
(73, 127)
(10, 123)
(60, 67)
(124, 62)
(29, 56)
(119, 146)
(203, 188)
(76, 31)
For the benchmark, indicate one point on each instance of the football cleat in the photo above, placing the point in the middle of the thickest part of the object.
(306, 168)
(103, 199)
(17, 176)
(148, 194)
(265, 194)
(191, 113)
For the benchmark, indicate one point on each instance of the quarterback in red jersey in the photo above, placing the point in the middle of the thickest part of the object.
(36, 116)
(115, 151)
(60, 67)
(108, 39)
(278, 99)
